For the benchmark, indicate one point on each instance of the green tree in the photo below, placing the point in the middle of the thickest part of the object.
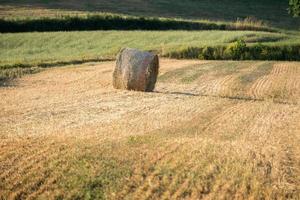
(294, 8)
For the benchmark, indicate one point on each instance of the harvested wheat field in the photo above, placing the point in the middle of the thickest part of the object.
(210, 130)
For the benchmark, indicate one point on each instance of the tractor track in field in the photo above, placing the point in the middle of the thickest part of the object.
(258, 87)
(217, 86)
(282, 79)
(220, 83)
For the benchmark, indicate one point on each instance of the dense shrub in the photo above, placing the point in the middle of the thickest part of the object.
(111, 22)
(255, 52)
(236, 50)
(207, 53)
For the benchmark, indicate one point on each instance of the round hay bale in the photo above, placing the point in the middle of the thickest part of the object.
(135, 70)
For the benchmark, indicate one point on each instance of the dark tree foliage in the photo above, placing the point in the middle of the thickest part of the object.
(294, 8)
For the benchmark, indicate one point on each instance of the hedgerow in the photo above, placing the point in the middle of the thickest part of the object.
(239, 51)
(115, 22)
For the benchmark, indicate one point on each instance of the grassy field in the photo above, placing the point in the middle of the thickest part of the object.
(210, 130)
(273, 12)
(68, 46)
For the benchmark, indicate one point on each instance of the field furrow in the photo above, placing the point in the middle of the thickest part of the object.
(280, 84)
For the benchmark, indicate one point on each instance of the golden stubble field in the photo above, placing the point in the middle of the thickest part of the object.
(211, 130)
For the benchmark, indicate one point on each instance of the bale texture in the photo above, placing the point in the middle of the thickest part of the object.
(136, 70)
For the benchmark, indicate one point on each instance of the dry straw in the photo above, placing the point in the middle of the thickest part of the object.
(136, 70)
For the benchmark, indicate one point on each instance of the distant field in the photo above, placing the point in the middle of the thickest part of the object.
(273, 12)
(211, 130)
(67, 46)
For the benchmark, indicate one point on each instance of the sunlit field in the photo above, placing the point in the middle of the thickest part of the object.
(211, 129)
